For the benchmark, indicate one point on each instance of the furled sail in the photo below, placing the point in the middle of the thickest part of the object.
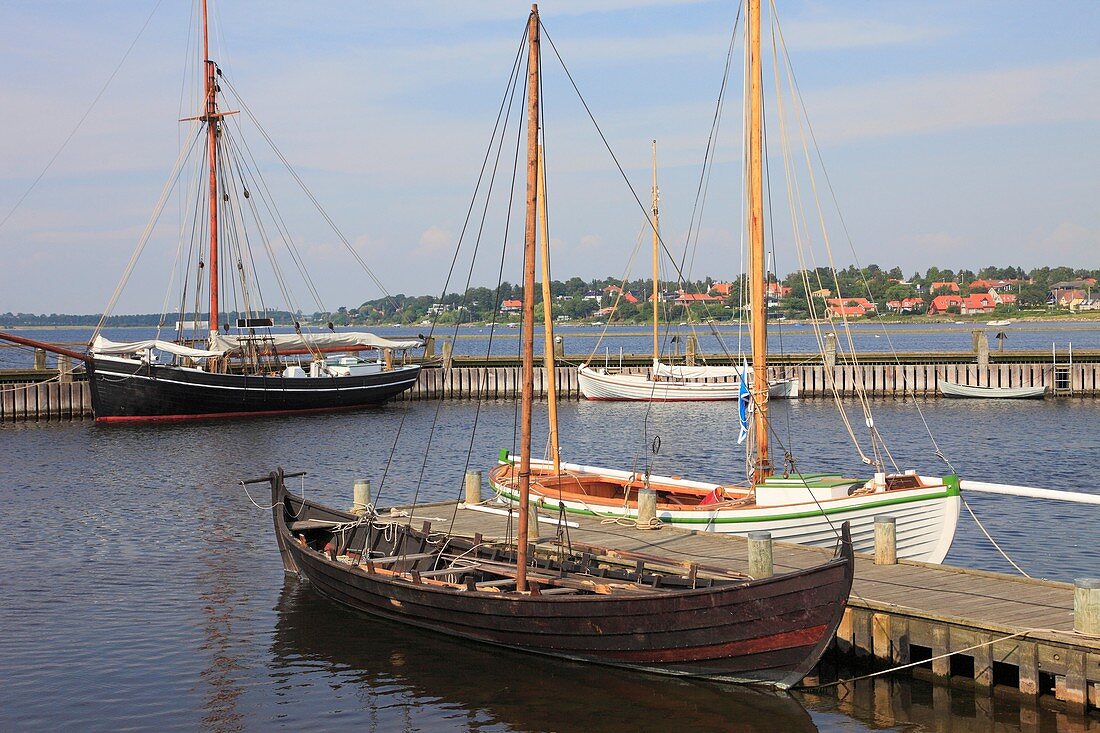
(352, 340)
(102, 347)
(676, 371)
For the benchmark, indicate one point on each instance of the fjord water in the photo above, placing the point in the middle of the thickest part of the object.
(140, 586)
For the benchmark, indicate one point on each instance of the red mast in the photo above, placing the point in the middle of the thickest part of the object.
(211, 117)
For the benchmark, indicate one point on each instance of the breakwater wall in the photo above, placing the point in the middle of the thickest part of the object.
(30, 395)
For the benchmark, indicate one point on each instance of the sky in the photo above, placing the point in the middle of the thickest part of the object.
(953, 134)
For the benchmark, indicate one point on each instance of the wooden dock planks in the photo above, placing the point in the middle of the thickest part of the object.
(893, 607)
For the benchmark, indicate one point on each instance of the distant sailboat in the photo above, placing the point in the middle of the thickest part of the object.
(670, 382)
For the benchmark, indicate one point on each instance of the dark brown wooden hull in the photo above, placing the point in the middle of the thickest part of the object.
(769, 631)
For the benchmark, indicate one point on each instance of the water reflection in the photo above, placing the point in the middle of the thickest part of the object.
(412, 680)
(918, 705)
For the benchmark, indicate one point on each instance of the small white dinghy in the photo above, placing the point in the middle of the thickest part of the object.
(950, 389)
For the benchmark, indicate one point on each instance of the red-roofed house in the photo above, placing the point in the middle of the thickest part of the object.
(978, 303)
(723, 290)
(847, 311)
(511, 306)
(941, 303)
(906, 305)
(944, 285)
(998, 285)
(863, 303)
(777, 291)
(1003, 298)
(683, 298)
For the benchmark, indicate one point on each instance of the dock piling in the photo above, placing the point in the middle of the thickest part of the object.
(886, 540)
(473, 487)
(647, 508)
(1086, 606)
(533, 521)
(760, 554)
(361, 496)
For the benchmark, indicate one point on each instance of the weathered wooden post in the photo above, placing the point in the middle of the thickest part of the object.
(691, 349)
(361, 496)
(886, 540)
(64, 368)
(533, 521)
(473, 487)
(39, 359)
(830, 350)
(448, 348)
(1086, 606)
(981, 347)
(429, 347)
(760, 554)
(387, 355)
(559, 347)
(647, 509)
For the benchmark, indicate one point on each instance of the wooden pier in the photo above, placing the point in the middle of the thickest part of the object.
(989, 632)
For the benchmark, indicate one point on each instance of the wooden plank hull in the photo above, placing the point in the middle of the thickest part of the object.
(596, 384)
(127, 390)
(926, 517)
(769, 631)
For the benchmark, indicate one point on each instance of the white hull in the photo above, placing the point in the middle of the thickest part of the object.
(597, 384)
(926, 517)
(950, 389)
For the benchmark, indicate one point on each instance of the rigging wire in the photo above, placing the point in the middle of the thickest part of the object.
(83, 117)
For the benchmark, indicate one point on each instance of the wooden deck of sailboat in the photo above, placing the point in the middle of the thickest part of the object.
(896, 614)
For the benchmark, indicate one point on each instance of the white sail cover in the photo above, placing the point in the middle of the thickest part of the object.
(352, 340)
(694, 372)
(104, 347)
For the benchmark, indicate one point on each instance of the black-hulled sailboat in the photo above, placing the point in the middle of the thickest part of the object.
(233, 364)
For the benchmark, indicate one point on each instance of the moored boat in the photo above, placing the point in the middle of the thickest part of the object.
(581, 607)
(951, 389)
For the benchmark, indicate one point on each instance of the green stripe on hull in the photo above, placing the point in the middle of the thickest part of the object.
(952, 490)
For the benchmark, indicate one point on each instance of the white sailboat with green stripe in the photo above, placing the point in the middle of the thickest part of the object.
(800, 507)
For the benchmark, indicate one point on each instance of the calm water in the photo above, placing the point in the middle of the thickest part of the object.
(593, 340)
(140, 587)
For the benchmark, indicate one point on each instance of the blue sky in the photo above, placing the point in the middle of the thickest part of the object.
(954, 134)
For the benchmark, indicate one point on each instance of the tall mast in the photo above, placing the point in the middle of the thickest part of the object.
(528, 295)
(548, 319)
(757, 295)
(656, 259)
(211, 118)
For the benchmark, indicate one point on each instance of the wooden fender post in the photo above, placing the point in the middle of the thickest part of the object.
(647, 509)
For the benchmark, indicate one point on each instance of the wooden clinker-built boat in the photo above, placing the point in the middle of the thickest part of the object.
(586, 607)
(800, 508)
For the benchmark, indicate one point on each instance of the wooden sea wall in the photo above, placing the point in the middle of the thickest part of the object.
(815, 380)
(53, 400)
(45, 401)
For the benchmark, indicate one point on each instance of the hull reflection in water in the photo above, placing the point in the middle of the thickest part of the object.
(400, 672)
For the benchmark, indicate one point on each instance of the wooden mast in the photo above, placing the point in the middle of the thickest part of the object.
(528, 377)
(548, 319)
(211, 118)
(656, 262)
(757, 288)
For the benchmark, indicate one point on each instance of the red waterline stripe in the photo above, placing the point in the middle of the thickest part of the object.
(774, 642)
